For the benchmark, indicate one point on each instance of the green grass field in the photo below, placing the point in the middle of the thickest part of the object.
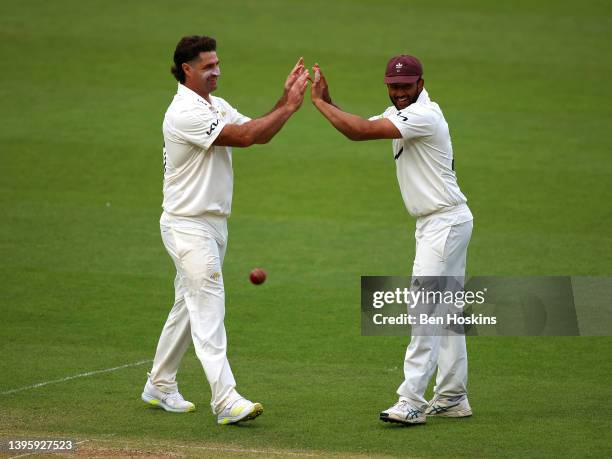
(86, 283)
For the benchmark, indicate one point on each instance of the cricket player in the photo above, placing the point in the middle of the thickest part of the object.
(423, 157)
(199, 133)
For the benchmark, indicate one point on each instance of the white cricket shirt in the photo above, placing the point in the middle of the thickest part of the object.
(424, 159)
(198, 176)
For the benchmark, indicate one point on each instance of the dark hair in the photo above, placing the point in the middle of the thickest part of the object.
(187, 49)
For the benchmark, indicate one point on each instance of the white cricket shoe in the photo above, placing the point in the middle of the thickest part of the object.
(169, 401)
(449, 407)
(403, 412)
(239, 410)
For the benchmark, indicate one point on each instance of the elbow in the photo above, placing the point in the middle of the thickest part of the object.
(355, 135)
(356, 132)
(246, 140)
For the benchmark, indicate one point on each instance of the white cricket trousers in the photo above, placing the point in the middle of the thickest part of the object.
(440, 251)
(197, 247)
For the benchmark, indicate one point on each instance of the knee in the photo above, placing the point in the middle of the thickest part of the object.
(204, 284)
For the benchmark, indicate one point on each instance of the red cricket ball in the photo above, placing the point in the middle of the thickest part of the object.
(258, 276)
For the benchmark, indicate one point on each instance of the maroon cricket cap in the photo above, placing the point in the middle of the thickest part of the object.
(403, 69)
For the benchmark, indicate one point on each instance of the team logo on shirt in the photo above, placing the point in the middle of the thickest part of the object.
(215, 276)
(213, 126)
(402, 117)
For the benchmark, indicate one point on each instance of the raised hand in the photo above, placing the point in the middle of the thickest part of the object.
(320, 89)
(294, 74)
(295, 95)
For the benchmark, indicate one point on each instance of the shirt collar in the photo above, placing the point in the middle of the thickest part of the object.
(423, 97)
(185, 91)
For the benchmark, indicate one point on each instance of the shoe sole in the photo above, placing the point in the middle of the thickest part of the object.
(452, 414)
(152, 401)
(255, 411)
(386, 418)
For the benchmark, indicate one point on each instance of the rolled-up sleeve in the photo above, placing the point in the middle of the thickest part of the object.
(412, 123)
(199, 128)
